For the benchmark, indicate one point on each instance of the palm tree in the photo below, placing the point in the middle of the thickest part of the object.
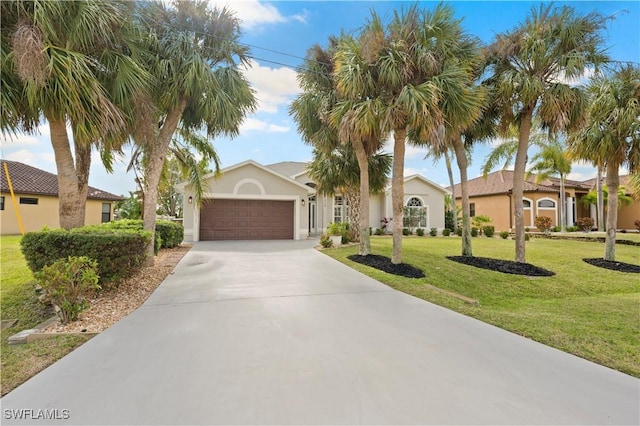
(529, 65)
(58, 63)
(405, 72)
(552, 160)
(194, 55)
(612, 136)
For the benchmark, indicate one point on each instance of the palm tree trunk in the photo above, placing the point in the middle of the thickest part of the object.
(563, 202)
(612, 181)
(83, 165)
(397, 193)
(352, 199)
(157, 153)
(447, 161)
(518, 181)
(600, 204)
(70, 215)
(363, 165)
(463, 163)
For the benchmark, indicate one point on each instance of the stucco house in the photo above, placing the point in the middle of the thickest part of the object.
(279, 201)
(493, 196)
(36, 194)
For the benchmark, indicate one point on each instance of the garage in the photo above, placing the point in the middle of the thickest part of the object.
(231, 219)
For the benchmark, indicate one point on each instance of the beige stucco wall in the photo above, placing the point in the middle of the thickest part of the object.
(432, 198)
(45, 213)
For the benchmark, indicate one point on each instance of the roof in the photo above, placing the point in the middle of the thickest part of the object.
(501, 182)
(289, 168)
(26, 179)
(423, 179)
(591, 183)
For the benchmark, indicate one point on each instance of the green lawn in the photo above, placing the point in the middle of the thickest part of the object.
(18, 301)
(588, 311)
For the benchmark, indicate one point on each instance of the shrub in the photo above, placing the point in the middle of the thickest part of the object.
(406, 231)
(572, 229)
(336, 228)
(420, 232)
(168, 234)
(449, 219)
(556, 229)
(118, 252)
(585, 223)
(68, 283)
(347, 237)
(636, 223)
(527, 237)
(379, 231)
(504, 234)
(527, 229)
(474, 231)
(480, 220)
(446, 232)
(459, 232)
(326, 241)
(543, 223)
(370, 231)
(433, 232)
(488, 230)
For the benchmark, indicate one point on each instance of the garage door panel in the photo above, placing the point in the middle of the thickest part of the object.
(246, 220)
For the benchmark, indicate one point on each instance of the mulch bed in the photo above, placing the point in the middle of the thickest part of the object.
(613, 265)
(504, 266)
(384, 264)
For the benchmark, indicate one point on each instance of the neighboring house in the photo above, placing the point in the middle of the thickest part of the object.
(36, 194)
(627, 214)
(493, 196)
(279, 201)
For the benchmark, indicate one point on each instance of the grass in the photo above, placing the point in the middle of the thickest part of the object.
(590, 312)
(18, 301)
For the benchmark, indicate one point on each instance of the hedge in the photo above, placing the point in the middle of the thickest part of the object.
(168, 234)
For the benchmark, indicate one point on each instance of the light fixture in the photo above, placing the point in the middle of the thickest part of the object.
(190, 199)
(303, 202)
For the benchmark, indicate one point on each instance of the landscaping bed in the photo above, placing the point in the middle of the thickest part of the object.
(383, 263)
(614, 266)
(504, 266)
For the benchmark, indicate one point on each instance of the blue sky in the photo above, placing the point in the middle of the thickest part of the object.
(291, 27)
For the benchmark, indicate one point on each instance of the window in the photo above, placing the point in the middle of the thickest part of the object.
(546, 204)
(106, 212)
(415, 214)
(28, 200)
(526, 204)
(2, 203)
(472, 209)
(340, 209)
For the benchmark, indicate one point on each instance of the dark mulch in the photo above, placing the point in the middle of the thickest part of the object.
(384, 264)
(504, 266)
(613, 265)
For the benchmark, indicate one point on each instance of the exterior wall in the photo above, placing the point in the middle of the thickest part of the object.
(496, 207)
(431, 197)
(629, 214)
(45, 213)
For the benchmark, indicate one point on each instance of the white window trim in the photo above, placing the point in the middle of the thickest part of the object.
(554, 209)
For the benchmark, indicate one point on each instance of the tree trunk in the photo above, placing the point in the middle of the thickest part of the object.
(351, 196)
(518, 181)
(600, 206)
(447, 161)
(363, 165)
(157, 153)
(612, 181)
(83, 165)
(463, 163)
(70, 215)
(563, 202)
(397, 193)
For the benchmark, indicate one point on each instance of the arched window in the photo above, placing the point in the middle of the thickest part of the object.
(414, 202)
(526, 204)
(546, 204)
(416, 214)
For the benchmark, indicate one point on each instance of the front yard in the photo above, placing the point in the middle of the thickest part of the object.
(591, 312)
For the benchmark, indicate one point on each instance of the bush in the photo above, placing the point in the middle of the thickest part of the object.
(636, 223)
(488, 230)
(420, 232)
(449, 219)
(68, 283)
(118, 253)
(406, 231)
(459, 232)
(433, 232)
(572, 229)
(379, 231)
(504, 234)
(346, 237)
(326, 241)
(556, 229)
(480, 220)
(168, 234)
(543, 223)
(446, 232)
(585, 223)
(474, 231)
(527, 237)
(336, 228)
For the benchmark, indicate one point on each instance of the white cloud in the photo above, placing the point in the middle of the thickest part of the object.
(583, 79)
(410, 151)
(12, 141)
(274, 87)
(254, 13)
(41, 160)
(252, 124)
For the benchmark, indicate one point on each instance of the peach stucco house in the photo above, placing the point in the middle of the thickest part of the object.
(36, 194)
(493, 196)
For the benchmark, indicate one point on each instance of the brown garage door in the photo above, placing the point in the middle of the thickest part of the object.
(246, 220)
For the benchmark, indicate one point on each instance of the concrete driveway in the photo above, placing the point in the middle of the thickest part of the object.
(277, 333)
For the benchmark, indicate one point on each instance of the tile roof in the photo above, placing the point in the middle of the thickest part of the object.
(501, 182)
(30, 180)
(288, 168)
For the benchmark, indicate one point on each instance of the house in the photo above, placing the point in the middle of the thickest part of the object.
(36, 195)
(279, 201)
(493, 196)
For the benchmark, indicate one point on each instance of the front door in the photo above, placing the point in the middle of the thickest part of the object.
(313, 228)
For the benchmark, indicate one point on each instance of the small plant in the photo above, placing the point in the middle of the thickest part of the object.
(326, 241)
(504, 234)
(543, 223)
(527, 229)
(572, 229)
(68, 283)
(379, 231)
(527, 237)
(420, 232)
(556, 229)
(474, 231)
(480, 221)
(459, 232)
(406, 231)
(335, 228)
(370, 231)
(585, 223)
(433, 232)
(384, 222)
(636, 223)
(446, 232)
(488, 230)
